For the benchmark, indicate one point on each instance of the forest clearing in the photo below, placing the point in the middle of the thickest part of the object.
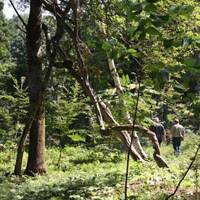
(98, 173)
(99, 99)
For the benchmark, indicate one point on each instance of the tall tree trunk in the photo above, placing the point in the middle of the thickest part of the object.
(36, 162)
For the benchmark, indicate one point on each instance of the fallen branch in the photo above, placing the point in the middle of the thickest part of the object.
(79, 71)
(146, 132)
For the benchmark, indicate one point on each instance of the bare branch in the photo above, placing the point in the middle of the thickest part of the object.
(59, 15)
(129, 150)
(19, 16)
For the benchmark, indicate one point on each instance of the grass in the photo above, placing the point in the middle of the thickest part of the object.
(97, 173)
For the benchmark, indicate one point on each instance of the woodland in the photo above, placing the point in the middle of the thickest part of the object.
(81, 82)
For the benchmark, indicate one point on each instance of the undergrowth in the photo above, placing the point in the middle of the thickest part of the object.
(97, 173)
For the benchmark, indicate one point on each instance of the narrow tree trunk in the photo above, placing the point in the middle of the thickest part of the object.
(35, 162)
(116, 78)
(20, 149)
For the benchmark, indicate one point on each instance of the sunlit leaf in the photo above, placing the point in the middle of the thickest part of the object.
(132, 52)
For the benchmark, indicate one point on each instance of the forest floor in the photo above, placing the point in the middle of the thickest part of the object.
(97, 173)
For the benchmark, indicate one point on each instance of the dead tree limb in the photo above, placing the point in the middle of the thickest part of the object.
(116, 78)
(79, 71)
(101, 108)
(119, 88)
(146, 132)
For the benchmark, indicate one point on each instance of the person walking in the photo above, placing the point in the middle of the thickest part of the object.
(158, 129)
(178, 133)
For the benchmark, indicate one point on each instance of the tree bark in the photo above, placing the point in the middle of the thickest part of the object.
(36, 160)
(20, 148)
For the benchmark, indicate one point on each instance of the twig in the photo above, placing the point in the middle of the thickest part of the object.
(25, 25)
(188, 169)
(129, 150)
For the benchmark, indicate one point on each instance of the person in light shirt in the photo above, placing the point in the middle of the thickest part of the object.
(177, 133)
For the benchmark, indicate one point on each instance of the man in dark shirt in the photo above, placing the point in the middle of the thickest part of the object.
(158, 129)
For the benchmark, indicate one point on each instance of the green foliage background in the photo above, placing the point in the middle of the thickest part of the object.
(164, 37)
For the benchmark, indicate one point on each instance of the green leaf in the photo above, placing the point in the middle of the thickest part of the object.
(132, 30)
(159, 20)
(133, 52)
(144, 23)
(151, 8)
(190, 62)
(151, 91)
(177, 42)
(77, 138)
(186, 42)
(179, 88)
(142, 35)
(152, 30)
(196, 43)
